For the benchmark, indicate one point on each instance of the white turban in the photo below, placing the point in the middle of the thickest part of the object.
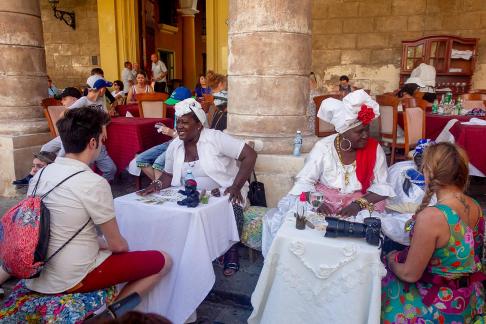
(189, 105)
(344, 114)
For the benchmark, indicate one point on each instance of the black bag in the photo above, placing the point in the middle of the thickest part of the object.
(256, 194)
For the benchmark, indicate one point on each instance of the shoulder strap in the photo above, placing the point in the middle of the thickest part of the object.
(60, 183)
(67, 242)
(38, 179)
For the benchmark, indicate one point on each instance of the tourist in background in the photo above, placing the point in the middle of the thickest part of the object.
(52, 91)
(159, 74)
(118, 92)
(127, 76)
(344, 86)
(218, 110)
(439, 278)
(202, 87)
(142, 86)
(41, 159)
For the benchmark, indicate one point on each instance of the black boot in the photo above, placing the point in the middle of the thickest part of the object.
(24, 181)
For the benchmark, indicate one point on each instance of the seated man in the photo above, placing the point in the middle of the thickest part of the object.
(348, 168)
(87, 262)
(41, 159)
(95, 100)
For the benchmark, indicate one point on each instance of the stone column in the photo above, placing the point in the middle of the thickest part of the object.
(23, 129)
(188, 47)
(268, 86)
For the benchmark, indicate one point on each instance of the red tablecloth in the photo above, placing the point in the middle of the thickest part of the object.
(129, 136)
(470, 138)
(133, 109)
(434, 123)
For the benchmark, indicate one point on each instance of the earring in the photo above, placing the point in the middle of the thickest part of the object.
(341, 144)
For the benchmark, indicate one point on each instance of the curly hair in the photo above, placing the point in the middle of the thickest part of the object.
(444, 164)
(214, 79)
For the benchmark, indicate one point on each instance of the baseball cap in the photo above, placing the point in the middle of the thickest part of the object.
(97, 82)
(177, 95)
(47, 157)
(71, 92)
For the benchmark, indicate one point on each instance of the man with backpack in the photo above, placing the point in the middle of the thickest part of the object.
(77, 201)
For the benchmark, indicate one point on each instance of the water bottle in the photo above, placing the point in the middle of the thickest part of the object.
(435, 106)
(458, 105)
(189, 176)
(297, 143)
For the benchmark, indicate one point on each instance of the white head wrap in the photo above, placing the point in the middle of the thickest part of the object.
(344, 114)
(189, 105)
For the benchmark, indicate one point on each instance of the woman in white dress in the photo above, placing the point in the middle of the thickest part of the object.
(349, 168)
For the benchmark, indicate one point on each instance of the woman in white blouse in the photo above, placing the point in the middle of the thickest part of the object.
(216, 160)
(349, 168)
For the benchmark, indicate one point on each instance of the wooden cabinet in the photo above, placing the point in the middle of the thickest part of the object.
(454, 59)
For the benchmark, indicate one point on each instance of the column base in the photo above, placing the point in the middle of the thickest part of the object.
(16, 158)
(277, 172)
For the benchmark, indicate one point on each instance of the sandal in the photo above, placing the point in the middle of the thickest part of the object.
(231, 261)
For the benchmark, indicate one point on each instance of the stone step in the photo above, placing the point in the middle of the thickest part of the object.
(24, 126)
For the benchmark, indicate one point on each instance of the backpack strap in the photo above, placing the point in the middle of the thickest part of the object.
(60, 183)
(38, 179)
(67, 242)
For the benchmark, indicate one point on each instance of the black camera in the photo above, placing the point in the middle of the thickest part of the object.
(370, 229)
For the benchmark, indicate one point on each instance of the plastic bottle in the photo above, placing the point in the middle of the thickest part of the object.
(297, 143)
(189, 176)
(302, 204)
(458, 105)
(435, 106)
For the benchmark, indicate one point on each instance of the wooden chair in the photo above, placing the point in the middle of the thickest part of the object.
(151, 105)
(388, 123)
(323, 128)
(53, 111)
(414, 127)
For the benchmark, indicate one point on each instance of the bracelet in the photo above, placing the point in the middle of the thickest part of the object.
(365, 204)
(158, 184)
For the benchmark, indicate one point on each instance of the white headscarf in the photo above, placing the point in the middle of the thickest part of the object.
(344, 114)
(189, 105)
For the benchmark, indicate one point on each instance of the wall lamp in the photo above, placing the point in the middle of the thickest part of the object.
(68, 17)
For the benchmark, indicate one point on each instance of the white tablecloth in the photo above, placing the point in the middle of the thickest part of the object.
(308, 278)
(193, 237)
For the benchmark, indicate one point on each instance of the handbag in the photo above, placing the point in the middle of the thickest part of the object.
(256, 194)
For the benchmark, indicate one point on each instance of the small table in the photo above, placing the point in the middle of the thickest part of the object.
(434, 123)
(309, 278)
(193, 237)
(130, 136)
(470, 138)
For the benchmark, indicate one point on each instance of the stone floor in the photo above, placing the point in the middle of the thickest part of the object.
(229, 301)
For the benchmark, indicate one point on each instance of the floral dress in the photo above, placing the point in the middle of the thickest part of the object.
(403, 302)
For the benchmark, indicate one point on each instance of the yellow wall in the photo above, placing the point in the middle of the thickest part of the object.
(217, 35)
(118, 33)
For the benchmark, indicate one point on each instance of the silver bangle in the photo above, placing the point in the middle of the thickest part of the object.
(157, 183)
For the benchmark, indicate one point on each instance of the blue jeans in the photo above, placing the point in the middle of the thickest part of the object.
(154, 157)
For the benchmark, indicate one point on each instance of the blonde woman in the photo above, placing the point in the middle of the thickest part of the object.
(439, 279)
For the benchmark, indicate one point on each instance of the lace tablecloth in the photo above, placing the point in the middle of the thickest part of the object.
(308, 278)
(193, 237)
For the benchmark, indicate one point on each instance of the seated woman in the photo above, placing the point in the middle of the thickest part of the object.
(118, 93)
(215, 159)
(349, 168)
(202, 87)
(219, 86)
(438, 279)
(142, 86)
